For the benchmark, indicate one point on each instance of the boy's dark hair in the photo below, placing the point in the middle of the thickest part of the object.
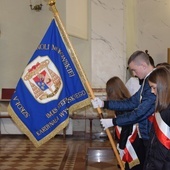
(150, 59)
(138, 54)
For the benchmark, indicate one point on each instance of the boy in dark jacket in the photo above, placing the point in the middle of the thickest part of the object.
(141, 105)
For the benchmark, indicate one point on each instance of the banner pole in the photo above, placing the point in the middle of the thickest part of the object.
(83, 76)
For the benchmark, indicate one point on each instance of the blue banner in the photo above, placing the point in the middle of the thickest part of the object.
(49, 86)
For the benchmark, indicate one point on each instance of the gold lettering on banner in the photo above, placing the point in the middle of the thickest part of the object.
(52, 112)
(63, 113)
(51, 123)
(76, 96)
(43, 47)
(67, 66)
(79, 94)
(20, 107)
(64, 101)
(70, 99)
(47, 126)
(64, 60)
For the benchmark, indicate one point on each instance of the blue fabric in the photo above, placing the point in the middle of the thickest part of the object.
(139, 111)
(49, 86)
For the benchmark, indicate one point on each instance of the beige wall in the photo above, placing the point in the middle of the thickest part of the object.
(21, 31)
(116, 28)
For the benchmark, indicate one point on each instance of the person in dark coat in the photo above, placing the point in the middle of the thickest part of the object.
(129, 145)
(158, 152)
(139, 107)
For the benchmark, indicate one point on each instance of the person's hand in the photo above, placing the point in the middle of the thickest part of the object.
(121, 152)
(106, 123)
(97, 102)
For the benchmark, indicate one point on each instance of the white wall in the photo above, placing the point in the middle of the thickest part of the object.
(148, 27)
(106, 51)
(114, 34)
(21, 31)
(108, 41)
(153, 27)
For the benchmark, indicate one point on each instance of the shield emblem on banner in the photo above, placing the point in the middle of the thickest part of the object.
(42, 79)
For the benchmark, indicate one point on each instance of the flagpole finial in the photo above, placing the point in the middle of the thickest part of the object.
(51, 3)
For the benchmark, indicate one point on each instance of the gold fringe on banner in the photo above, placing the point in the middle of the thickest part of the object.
(26, 131)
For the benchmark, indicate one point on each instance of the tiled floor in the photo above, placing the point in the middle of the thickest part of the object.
(72, 153)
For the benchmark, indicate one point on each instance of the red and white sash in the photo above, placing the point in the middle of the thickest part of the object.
(128, 155)
(151, 118)
(162, 130)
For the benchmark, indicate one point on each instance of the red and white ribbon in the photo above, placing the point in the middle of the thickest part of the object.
(128, 155)
(162, 130)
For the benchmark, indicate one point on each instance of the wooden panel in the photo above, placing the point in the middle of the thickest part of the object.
(168, 56)
(7, 93)
(77, 18)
